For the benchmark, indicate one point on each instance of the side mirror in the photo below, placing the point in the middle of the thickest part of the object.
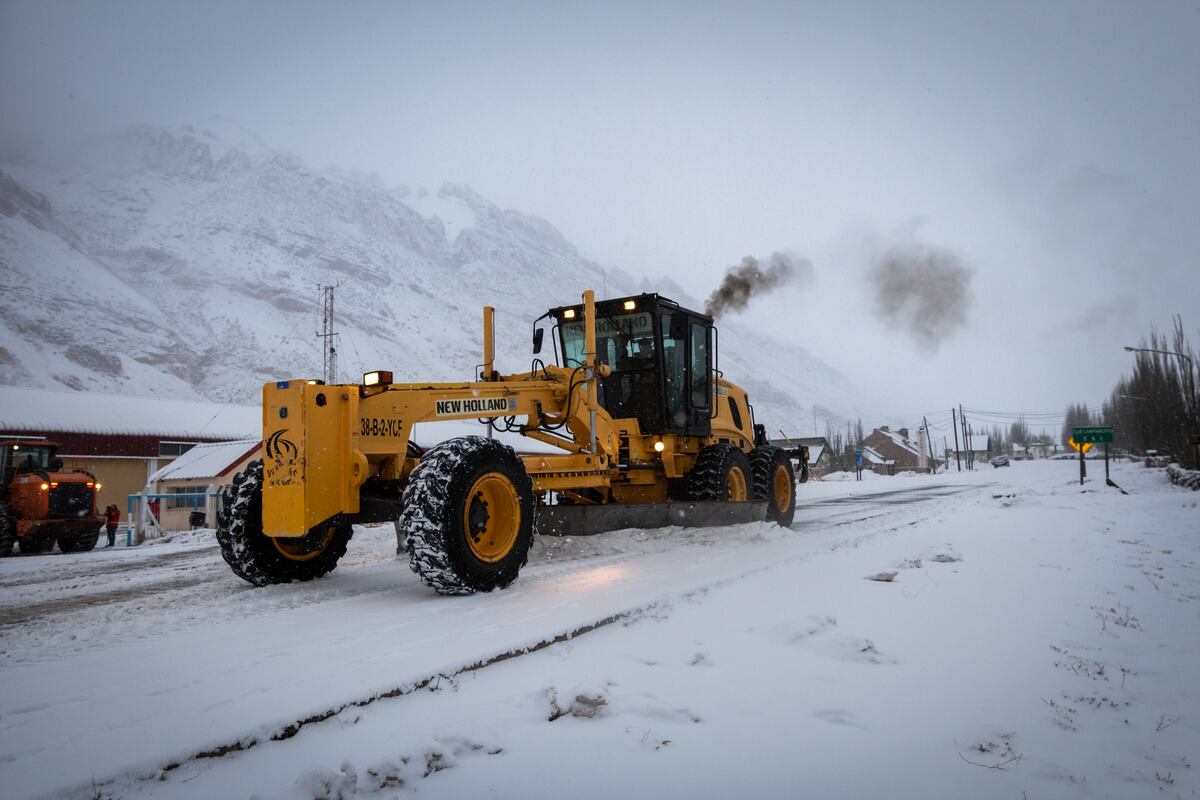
(538, 335)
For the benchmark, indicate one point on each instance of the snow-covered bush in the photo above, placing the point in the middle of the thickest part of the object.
(1189, 478)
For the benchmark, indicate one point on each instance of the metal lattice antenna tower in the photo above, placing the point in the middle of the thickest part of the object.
(329, 336)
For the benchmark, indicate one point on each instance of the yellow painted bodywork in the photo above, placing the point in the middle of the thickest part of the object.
(492, 532)
(321, 443)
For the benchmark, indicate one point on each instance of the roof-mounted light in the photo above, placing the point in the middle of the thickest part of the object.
(630, 305)
(569, 314)
(377, 378)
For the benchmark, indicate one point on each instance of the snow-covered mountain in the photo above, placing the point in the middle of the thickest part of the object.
(185, 264)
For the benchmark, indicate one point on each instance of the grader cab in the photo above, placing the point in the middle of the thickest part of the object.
(644, 431)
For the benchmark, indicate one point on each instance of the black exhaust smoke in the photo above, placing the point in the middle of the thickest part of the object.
(924, 290)
(751, 278)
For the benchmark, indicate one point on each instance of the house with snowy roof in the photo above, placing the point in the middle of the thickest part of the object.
(819, 454)
(877, 462)
(896, 447)
(122, 440)
(198, 476)
(976, 447)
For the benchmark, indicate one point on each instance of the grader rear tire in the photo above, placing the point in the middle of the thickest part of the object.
(468, 513)
(775, 482)
(721, 473)
(264, 560)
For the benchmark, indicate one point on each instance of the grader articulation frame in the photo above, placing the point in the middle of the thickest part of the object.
(652, 434)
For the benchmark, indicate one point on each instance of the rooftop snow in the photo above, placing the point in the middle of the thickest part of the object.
(206, 460)
(90, 412)
(873, 456)
(901, 441)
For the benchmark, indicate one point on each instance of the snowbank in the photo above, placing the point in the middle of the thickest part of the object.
(1189, 478)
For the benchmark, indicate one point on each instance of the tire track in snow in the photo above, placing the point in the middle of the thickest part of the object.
(660, 605)
(34, 578)
(19, 614)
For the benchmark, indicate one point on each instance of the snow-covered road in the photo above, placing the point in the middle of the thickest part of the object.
(747, 656)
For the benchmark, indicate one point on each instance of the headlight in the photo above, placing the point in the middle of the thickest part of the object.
(659, 446)
(377, 378)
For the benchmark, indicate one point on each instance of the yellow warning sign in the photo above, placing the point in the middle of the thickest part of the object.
(1086, 445)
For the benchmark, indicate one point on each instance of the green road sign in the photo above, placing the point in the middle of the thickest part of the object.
(1091, 435)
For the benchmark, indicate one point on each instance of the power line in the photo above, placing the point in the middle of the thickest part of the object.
(1013, 414)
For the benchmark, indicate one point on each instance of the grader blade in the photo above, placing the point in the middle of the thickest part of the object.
(586, 520)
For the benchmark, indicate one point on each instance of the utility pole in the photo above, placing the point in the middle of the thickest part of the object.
(966, 443)
(954, 419)
(328, 335)
(970, 449)
(968, 453)
(929, 442)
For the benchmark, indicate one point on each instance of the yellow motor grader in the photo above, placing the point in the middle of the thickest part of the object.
(644, 432)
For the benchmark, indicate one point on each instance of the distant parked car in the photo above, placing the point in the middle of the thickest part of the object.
(999, 461)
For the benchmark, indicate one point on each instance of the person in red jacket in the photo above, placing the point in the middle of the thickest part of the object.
(112, 516)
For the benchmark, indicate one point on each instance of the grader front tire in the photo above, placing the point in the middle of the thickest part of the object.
(468, 514)
(775, 482)
(263, 560)
(721, 473)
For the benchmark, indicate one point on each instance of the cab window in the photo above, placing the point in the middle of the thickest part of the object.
(675, 368)
(623, 341)
(698, 365)
(24, 456)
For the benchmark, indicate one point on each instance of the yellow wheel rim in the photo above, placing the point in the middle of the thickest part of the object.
(735, 486)
(305, 548)
(492, 517)
(783, 488)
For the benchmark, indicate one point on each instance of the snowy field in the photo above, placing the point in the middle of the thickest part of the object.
(1036, 640)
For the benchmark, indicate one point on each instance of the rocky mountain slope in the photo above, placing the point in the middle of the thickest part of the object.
(186, 263)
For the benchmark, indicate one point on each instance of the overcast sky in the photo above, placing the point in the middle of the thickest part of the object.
(1050, 149)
